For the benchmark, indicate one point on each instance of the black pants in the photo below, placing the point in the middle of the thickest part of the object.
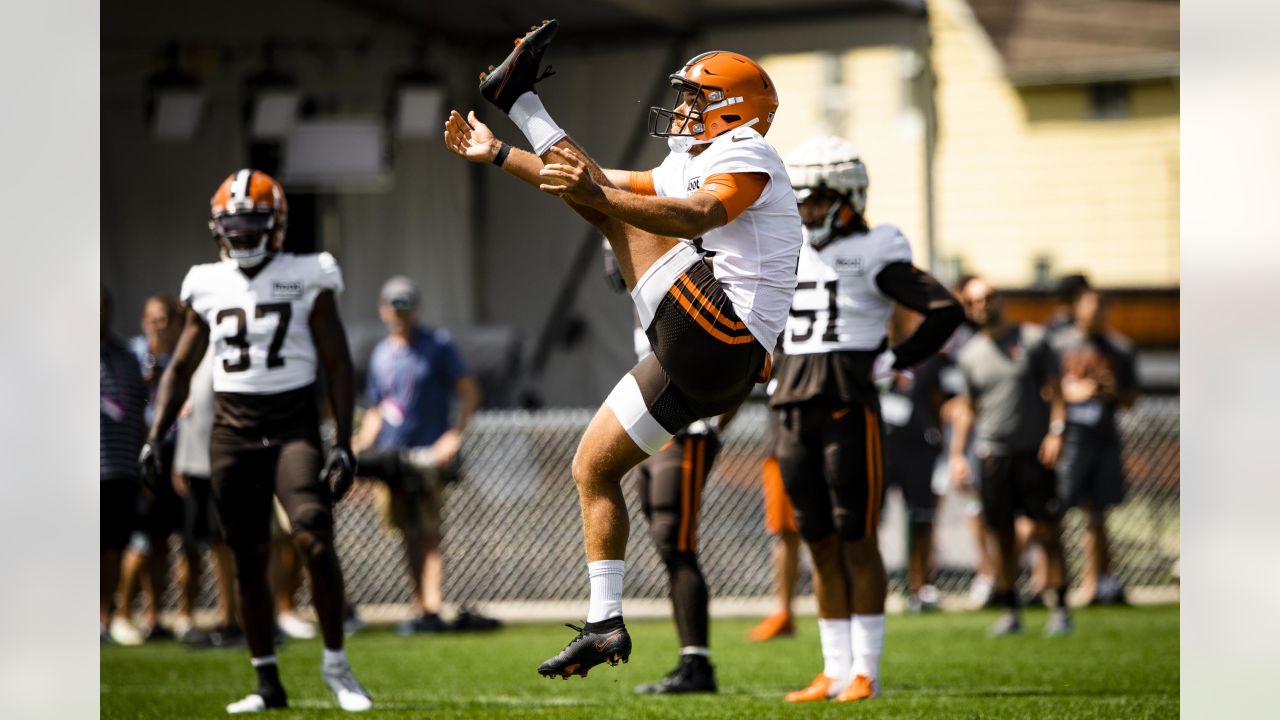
(670, 485)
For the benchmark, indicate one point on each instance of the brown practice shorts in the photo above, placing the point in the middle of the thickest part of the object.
(832, 466)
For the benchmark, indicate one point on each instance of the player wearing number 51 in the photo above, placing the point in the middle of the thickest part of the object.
(272, 318)
(829, 448)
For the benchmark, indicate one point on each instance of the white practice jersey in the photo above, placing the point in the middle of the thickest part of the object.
(837, 304)
(259, 328)
(755, 253)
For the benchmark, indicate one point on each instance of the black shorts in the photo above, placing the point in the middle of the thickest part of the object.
(246, 476)
(1091, 471)
(1017, 484)
(670, 486)
(200, 517)
(117, 512)
(704, 360)
(832, 464)
(910, 467)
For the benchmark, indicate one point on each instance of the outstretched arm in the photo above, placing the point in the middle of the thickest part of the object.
(687, 217)
(175, 383)
(335, 357)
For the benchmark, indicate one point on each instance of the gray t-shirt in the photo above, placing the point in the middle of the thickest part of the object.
(1005, 376)
(191, 456)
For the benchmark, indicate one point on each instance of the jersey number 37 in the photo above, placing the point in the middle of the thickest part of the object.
(239, 339)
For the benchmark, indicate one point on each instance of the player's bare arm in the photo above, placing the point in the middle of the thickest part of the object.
(687, 217)
(331, 347)
(961, 417)
(176, 381)
(473, 140)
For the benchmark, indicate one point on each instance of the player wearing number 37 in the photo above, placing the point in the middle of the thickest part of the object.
(272, 320)
(829, 448)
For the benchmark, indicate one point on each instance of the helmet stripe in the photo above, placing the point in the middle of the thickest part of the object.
(240, 186)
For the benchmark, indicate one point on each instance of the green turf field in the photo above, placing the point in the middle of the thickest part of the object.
(1120, 663)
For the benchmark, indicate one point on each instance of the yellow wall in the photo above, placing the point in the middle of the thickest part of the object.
(1019, 173)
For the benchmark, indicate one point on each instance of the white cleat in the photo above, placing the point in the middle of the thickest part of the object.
(350, 694)
(252, 704)
(123, 632)
(295, 627)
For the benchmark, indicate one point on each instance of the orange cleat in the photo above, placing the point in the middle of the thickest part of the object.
(775, 626)
(822, 688)
(860, 688)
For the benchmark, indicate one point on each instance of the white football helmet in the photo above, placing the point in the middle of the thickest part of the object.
(828, 163)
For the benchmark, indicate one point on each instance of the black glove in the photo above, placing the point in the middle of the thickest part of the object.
(339, 472)
(149, 465)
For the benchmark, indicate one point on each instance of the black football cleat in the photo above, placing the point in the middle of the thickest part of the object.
(694, 674)
(597, 642)
(517, 74)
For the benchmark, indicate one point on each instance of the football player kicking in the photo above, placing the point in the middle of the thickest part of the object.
(711, 324)
(829, 448)
(272, 318)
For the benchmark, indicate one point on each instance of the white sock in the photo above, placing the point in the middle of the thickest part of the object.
(535, 122)
(335, 657)
(696, 650)
(260, 661)
(868, 644)
(606, 585)
(835, 649)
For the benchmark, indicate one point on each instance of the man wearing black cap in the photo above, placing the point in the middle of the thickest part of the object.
(420, 399)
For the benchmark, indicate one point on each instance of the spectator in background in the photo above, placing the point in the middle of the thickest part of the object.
(1098, 378)
(1068, 289)
(146, 562)
(1011, 397)
(122, 402)
(420, 401)
(910, 406)
(201, 528)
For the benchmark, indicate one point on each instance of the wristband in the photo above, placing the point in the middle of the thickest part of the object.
(1057, 427)
(501, 157)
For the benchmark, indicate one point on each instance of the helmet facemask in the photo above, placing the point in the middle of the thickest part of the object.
(685, 124)
(829, 225)
(248, 238)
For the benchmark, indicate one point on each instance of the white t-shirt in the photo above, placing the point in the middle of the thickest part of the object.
(755, 253)
(837, 304)
(259, 328)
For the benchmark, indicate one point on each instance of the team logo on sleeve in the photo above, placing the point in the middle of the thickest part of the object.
(286, 289)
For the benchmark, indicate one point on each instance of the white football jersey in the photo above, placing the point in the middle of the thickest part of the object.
(755, 253)
(259, 328)
(837, 305)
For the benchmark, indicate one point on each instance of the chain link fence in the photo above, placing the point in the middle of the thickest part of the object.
(513, 530)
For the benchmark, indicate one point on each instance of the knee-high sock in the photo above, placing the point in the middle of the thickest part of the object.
(535, 122)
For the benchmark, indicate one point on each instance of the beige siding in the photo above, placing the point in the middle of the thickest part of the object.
(1020, 173)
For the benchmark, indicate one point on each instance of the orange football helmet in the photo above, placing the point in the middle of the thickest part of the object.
(248, 215)
(716, 92)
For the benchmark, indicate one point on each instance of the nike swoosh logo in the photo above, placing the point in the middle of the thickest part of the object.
(600, 645)
(740, 139)
(839, 413)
